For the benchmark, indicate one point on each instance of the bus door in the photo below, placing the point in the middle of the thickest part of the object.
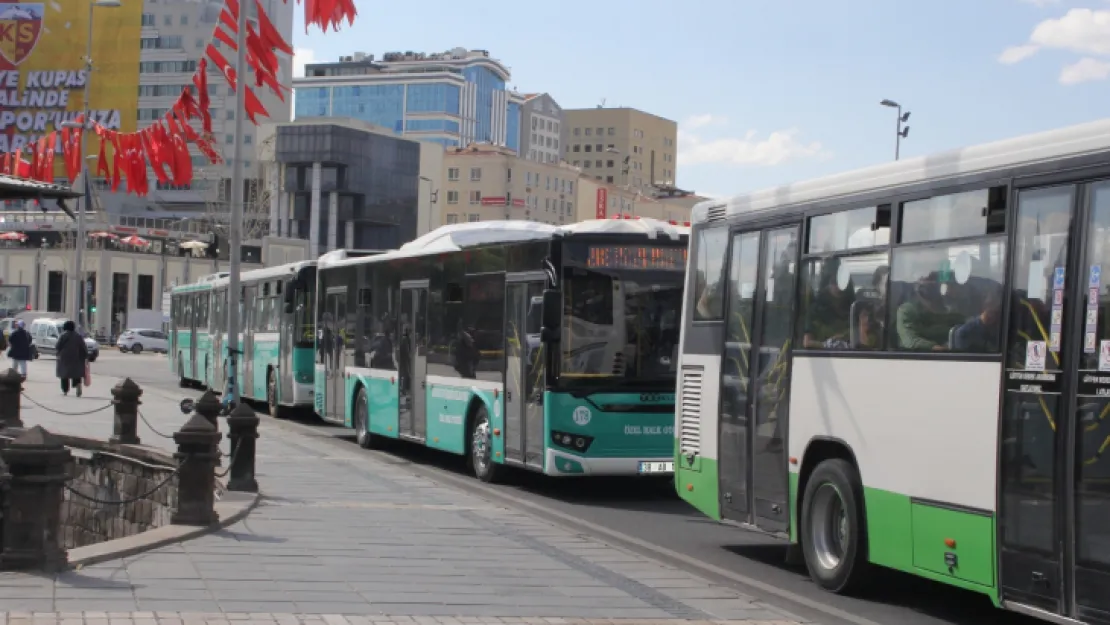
(524, 369)
(333, 348)
(755, 375)
(1054, 440)
(412, 359)
(195, 327)
(252, 303)
(217, 329)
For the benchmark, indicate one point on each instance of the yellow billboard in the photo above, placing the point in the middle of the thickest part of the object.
(43, 70)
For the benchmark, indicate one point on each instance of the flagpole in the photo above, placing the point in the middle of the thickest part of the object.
(235, 227)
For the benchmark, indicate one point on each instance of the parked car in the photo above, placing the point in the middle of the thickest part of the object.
(136, 340)
(44, 338)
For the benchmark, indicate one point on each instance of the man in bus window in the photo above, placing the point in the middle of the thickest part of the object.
(828, 315)
(923, 321)
(980, 333)
(872, 318)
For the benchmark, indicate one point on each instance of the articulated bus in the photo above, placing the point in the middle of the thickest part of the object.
(516, 344)
(908, 367)
(278, 338)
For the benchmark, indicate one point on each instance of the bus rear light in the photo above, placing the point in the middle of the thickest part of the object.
(497, 431)
(690, 487)
(793, 460)
(950, 543)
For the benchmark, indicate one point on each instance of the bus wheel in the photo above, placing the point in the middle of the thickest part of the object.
(365, 439)
(276, 410)
(481, 447)
(834, 531)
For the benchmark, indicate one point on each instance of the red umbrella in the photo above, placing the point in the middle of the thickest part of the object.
(102, 235)
(13, 236)
(135, 240)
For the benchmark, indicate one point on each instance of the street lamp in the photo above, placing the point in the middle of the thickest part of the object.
(432, 193)
(79, 255)
(900, 133)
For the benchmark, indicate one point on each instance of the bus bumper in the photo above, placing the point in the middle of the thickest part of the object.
(303, 394)
(564, 464)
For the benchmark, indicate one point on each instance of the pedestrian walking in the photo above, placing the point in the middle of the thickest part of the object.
(73, 357)
(19, 348)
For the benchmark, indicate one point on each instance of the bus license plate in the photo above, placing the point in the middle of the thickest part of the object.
(656, 467)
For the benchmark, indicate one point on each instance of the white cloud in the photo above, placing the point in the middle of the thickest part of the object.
(1080, 31)
(302, 57)
(752, 149)
(1041, 3)
(1084, 70)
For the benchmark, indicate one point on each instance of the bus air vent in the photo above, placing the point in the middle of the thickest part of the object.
(690, 428)
(716, 213)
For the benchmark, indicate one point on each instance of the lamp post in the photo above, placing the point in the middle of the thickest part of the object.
(900, 133)
(79, 299)
(235, 227)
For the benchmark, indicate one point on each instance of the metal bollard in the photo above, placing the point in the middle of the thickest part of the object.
(11, 390)
(197, 453)
(208, 406)
(125, 399)
(32, 538)
(242, 426)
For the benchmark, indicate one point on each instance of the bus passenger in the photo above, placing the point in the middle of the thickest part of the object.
(923, 321)
(980, 333)
(872, 319)
(829, 313)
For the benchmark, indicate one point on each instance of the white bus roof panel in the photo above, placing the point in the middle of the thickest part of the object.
(1084, 139)
(456, 237)
(267, 272)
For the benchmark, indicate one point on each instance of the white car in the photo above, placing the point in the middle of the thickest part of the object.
(136, 340)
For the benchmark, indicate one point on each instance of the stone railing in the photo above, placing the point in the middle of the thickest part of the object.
(60, 492)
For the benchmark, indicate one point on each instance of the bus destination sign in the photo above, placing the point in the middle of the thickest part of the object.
(642, 257)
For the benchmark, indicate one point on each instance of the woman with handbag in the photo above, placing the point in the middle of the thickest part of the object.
(73, 357)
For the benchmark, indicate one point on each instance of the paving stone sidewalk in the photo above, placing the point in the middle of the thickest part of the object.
(342, 531)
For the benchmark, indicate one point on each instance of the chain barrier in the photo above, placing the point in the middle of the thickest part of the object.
(151, 427)
(234, 453)
(123, 502)
(62, 412)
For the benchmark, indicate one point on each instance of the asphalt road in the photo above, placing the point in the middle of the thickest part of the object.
(649, 514)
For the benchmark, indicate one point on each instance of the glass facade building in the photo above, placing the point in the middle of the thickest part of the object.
(452, 101)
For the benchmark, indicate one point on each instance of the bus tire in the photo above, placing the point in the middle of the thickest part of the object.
(365, 439)
(276, 410)
(480, 456)
(834, 527)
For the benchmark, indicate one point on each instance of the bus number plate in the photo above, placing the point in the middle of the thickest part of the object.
(656, 467)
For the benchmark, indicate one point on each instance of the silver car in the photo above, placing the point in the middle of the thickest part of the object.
(136, 340)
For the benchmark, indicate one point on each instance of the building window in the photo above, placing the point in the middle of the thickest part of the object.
(597, 164)
(452, 197)
(475, 174)
(608, 163)
(144, 295)
(577, 132)
(453, 218)
(473, 217)
(589, 132)
(148, 19)
(589, 148)
(229, 139)
(475, 197)
(453, 174)
(612, 131)
(167, 20)
(609, 179)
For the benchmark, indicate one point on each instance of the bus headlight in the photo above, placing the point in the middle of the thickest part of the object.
(574, 442)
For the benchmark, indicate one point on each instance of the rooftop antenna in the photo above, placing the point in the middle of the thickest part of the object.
(602, 105)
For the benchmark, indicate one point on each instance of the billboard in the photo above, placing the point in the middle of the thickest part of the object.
(43, 72)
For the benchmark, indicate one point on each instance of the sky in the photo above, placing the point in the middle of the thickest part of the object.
(775, 91)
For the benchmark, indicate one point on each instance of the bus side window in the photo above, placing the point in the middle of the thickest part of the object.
(709, 301)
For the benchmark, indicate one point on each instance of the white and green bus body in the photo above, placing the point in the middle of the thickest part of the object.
(277, 338)
(190, 341)
(908, 367)
(442, 343)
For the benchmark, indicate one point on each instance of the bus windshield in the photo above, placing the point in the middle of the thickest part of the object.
(304, 308)
(620, 326)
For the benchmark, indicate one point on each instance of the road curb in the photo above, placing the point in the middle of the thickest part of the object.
(232, 508)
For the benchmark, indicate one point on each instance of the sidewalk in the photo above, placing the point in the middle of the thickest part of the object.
(347, 532)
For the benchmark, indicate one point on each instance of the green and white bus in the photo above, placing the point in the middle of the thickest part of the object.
(908, 366)
(190, 342)
(278, 338)
(516, 344)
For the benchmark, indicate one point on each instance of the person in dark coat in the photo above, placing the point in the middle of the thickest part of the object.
(19, 348)
(72, 356)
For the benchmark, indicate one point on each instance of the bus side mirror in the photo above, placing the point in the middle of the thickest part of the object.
(552, 316)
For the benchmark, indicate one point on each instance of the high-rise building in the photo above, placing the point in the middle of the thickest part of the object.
(452, 98)
(174, 38)
(485, 182)
(622, 146)
(541, 122)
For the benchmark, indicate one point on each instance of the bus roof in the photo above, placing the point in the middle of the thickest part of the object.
(1074, 141)
(209, 282)
(456, 237)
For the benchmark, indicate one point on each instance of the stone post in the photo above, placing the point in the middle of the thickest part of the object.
(208, 406)
(197, 453)
(37, 463)
(125, 399)
(242, 433)
(11, 389)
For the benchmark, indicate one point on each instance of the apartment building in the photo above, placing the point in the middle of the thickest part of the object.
(602, 200)
(174, 37)
(622, 146)
(486, 182)
(452, 98)
(542, 130)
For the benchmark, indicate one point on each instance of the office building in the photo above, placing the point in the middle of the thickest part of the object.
(485, 182)
(343, 183)
(541, 120)
(622, 146)
(452, 98)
